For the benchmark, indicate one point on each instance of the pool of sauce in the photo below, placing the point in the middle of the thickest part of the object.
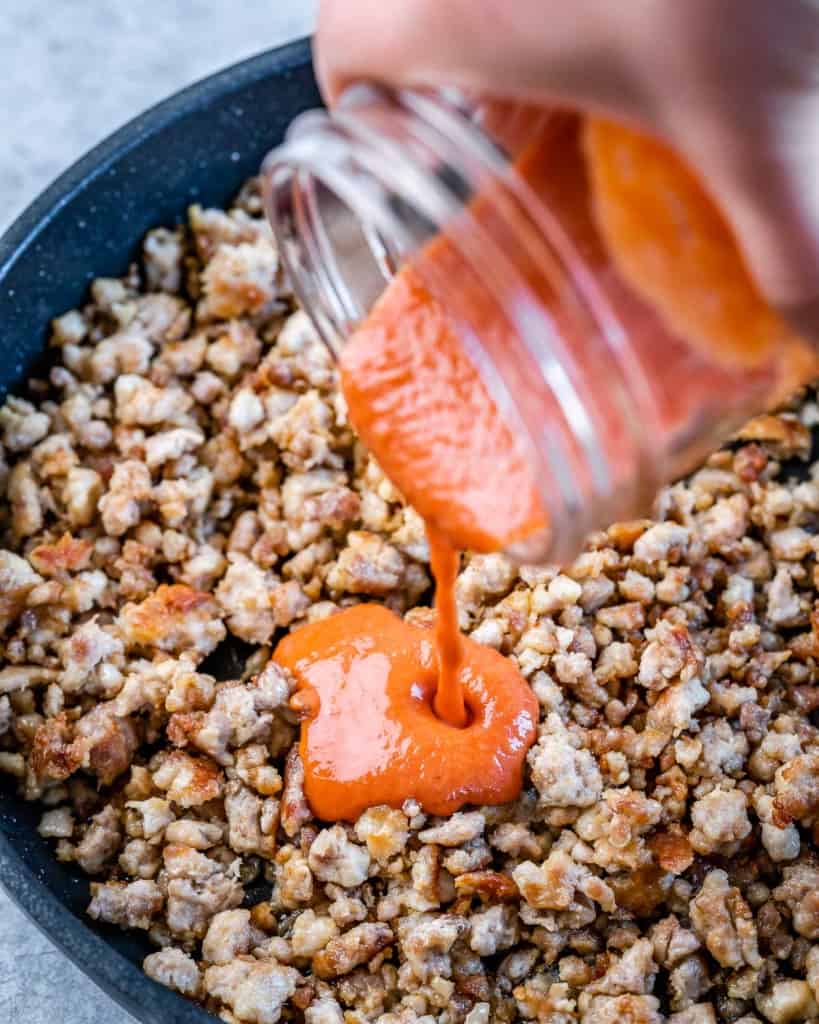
(367, 683)
(392, 711)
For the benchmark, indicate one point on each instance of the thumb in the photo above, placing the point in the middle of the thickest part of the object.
(527, 49)
(765, 179)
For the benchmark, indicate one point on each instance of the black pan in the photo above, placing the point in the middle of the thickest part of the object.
(198, 146)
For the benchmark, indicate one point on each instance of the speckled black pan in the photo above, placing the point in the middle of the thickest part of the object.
(198, 146)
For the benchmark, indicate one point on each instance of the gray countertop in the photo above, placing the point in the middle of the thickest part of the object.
(72, 72)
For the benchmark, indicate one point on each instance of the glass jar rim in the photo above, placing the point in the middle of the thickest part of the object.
(386, 172)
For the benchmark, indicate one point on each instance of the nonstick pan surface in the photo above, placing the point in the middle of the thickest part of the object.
(196, 147)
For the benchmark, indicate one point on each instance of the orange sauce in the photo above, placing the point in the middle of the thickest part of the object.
(390, 710)
(450, 701)
(419, 403)
(367, 681)
(674, 249)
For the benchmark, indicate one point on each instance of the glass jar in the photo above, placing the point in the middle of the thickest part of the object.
(608, 401)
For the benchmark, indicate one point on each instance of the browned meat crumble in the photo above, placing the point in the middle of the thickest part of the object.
(186, 481)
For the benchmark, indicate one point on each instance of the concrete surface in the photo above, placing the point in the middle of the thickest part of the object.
(76, 69)
(72, 72)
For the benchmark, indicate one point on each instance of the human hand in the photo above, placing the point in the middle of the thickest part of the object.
(733, 85)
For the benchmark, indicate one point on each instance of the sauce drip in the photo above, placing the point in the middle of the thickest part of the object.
(393, 711)
(390, 710)
(420, 405)
(367, 681)
(449, 703)
(645, 229)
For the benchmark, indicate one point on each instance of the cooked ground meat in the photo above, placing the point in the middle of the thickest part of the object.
(185, 481)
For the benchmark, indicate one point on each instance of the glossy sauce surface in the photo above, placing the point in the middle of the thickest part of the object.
(666, 264)
(450, 701)
(393, 711)
(418, 402)
(370, 680)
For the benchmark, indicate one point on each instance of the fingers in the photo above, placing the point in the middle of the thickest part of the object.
(524, 48)
(358, 40)
(776, 219)
(746, 117)
(748, 122)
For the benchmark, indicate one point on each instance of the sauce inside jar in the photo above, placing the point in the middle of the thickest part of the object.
(393, 711)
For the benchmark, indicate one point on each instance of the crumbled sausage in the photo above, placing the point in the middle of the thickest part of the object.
(633, 972)
(131, 905)
(384, 830)
(199, 835)
(188, 486)
(197, 890)
(295, 810)
(188, 781)
(230, 933)
(355, 947)
(239, 279)
(254, 990)
(163, 252)
(245, 595)
(368, 565)
(494, 929)
(614, 1009)
(57, 824)
(457, 829)
(333, 858)
(175, 618)
(720, 821)
(173, 968)
(101, 841)
(252, 821)
(555, 883)
(427, 942)
(796, 790)
(788, 1000)
(22, 425)
(565, 775)
(324, 1011)
(724, 922)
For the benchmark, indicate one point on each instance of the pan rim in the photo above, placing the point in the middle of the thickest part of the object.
(107, 967)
